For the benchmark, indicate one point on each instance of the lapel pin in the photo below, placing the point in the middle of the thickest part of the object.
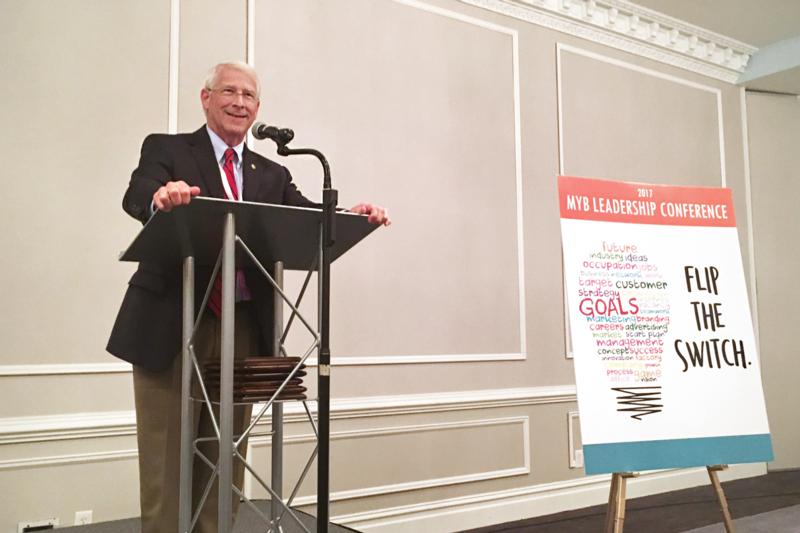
(253, 166)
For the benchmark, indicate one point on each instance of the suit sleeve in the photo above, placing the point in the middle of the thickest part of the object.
(155, 169)
(293, 196)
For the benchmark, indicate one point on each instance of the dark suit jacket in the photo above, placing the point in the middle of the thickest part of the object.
(147, 331)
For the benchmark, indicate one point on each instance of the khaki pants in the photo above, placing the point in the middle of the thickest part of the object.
(158, 427)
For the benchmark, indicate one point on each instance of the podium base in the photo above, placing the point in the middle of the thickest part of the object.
(247, 521)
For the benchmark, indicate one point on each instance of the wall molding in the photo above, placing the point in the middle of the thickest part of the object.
(60, 369)
(520, 241)
(63, 369)
(347, 360)
(30, 429)
(174, 65)
(439, 401)
(455, 513)
(632, 28)
(489, 508)
(562, 47)
(68, 459)
(371, 360)
(575, 447)
(751, 251)
(34, 429)
(523, 469)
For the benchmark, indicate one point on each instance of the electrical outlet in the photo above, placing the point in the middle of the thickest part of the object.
(83, 517)
(37, 525)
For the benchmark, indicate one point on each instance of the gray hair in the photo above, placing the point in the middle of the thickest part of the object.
(213, 74)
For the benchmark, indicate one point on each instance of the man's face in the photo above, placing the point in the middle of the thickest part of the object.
(231, 105)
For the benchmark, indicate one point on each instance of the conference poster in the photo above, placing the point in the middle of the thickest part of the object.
(666, 362)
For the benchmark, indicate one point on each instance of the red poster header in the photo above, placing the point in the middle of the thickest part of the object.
(643, 203)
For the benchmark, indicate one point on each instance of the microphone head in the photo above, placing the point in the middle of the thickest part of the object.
(280, 136)
(258, 130)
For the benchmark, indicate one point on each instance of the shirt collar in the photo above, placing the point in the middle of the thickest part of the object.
(220, 147)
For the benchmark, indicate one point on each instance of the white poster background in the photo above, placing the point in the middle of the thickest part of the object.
(701, 402)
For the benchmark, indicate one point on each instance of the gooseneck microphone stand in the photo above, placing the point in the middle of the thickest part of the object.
(328, 237)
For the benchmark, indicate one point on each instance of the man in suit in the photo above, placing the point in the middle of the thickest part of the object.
(212, 161)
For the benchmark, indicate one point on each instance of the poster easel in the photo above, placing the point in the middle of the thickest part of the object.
(615, 514)
(659, 322)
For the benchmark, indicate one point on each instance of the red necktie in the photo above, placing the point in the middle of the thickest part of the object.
(215, 299)
(228, 168)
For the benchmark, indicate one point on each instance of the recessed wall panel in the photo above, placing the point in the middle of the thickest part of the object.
(628, 123)
(53, 395)
(211, 31)
(389, 459)
(79, 93)
(425, 126)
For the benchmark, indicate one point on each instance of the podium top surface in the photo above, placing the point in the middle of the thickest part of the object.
(272, 232)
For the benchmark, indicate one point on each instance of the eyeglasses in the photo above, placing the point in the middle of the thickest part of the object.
(231, 92)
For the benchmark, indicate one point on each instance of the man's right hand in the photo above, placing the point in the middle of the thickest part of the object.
(173, 194)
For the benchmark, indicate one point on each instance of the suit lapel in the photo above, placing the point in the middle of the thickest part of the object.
(209, 168)
(251, 176)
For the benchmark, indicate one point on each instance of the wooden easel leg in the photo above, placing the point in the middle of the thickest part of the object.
(723, 501)
(623, 484)
(615, 515)
(619, 523)
(613, 496)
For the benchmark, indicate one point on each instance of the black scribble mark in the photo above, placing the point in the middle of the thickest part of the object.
(640, 400)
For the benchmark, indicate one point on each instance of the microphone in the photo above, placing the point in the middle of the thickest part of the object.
(281, 136)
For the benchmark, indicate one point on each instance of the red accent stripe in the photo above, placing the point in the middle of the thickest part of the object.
(644, 203)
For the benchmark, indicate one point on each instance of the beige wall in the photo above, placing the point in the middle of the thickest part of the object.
(451, 383)
(774, 131)
(83, 82)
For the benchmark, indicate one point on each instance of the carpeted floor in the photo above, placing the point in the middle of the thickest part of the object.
(246, 522)
(783, 520)
(684, 510)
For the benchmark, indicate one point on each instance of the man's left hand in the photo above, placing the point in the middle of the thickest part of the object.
(377, 214)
